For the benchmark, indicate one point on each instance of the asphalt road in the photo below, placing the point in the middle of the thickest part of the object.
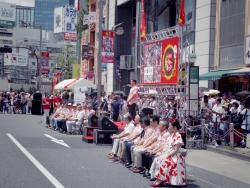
(43, 163)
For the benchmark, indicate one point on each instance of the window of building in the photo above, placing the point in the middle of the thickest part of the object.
(232, 33)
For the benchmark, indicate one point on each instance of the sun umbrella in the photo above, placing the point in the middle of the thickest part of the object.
(243, 93)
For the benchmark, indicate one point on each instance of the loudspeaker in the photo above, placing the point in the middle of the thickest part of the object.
(103, 136)
(93, 120)
(37, 96)
(105, 124)
(36, 108)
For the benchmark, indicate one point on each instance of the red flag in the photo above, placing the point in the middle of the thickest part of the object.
(79, 5)
(143, 22)
(182, 13)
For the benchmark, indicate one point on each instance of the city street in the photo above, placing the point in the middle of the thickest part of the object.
(33, 156)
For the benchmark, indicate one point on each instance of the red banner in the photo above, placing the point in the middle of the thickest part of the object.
(160, 57)
(182, 13)
(70, 36)
(45, 63)
(143, 22)
(107, 46)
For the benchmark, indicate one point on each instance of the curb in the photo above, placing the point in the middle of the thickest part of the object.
(228, 153)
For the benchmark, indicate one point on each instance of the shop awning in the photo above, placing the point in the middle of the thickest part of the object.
(240, 72)
(215, 75)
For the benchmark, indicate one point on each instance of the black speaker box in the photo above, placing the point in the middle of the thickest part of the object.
(105, 124)
(37, 96)
(103, 136)
(93, 120)
(36, 108)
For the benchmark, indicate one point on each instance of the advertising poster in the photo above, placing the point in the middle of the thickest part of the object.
(45, 63)
(58, 20)
(160, 62)
(107, 46)
(16, 59)
(7, 14)
(69, 19)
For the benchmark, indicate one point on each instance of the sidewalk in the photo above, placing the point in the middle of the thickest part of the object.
(238, 153)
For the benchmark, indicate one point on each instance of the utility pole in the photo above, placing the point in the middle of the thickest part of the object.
(2, 65)
(99, 61)
(40, 62)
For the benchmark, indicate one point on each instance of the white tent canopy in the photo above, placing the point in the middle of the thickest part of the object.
(81, 82)
(71, 83)
(63, 83)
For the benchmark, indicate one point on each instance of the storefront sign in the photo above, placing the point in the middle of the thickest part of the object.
(85, 49)
(160, 62)
(91, 50)
(70, 36)
(107, 46)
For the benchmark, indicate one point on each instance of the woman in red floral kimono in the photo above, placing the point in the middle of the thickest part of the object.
(168, 166)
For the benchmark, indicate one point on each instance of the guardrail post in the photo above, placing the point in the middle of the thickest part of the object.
(203, 130)
(231, 126)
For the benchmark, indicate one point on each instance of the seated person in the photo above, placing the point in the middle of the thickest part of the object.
(124, 141)
(168, 166)
(62, 124)
(86, 115)
(75, 121)
(127, 131)
(63, 113)
(141, 147)
(149, 154)
(56, 114)
(145, 134)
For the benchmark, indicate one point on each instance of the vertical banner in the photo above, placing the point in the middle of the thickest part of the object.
(107, 46)
(118, 70)
(160, 57)
(182, 13)
(143, 21)
(45, 63)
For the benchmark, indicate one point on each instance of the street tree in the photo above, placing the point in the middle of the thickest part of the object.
(65, 60)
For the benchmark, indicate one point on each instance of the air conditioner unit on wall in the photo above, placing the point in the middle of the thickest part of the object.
(127, 62)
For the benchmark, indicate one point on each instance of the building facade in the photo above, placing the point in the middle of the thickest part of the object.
(44, 12)
(24, 14)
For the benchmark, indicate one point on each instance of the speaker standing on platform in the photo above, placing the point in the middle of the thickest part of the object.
(46, 107)
(132, 98)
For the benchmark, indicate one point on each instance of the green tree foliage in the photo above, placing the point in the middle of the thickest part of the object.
(65, 60)
(79, 26)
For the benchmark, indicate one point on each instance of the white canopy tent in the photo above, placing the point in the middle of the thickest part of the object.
(71, 83)
(63, 83)
(81, 82)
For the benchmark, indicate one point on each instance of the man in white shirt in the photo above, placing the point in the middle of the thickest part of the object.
(75, 121)
(127, 131)
(217, 111)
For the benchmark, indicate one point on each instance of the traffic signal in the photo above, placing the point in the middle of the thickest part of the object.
(5, 49)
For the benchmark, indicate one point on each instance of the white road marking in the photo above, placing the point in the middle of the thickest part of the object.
(203, 180)
(61, 142)
(46, 173)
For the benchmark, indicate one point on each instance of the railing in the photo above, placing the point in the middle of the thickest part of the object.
(203, 127)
